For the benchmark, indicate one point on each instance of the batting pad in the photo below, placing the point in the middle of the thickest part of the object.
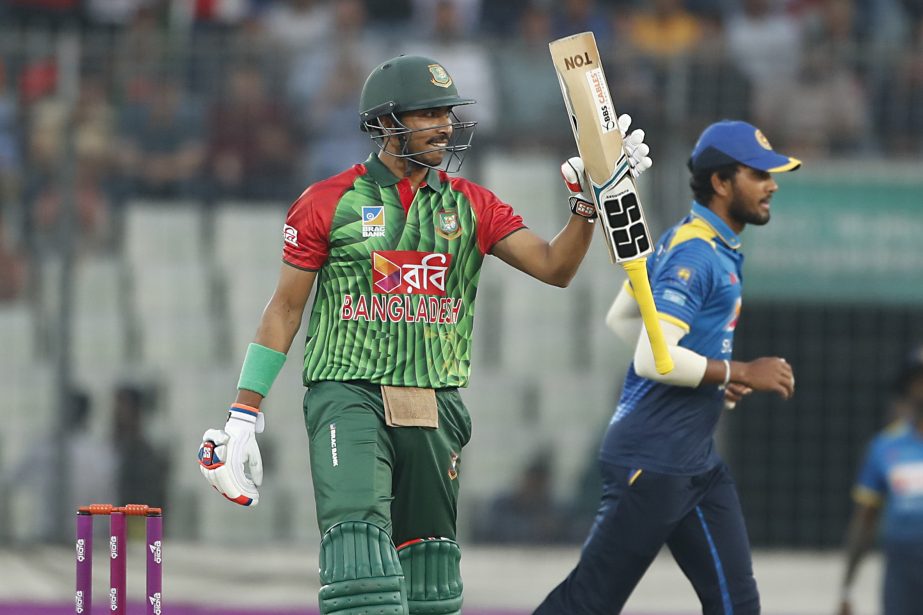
(432, 576)
(360, 572)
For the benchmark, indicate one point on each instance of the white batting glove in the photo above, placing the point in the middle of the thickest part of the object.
(230, 459)
(636, 150)
(574, 174)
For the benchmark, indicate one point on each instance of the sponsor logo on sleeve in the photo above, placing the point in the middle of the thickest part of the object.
(674, 297)
(290, 234)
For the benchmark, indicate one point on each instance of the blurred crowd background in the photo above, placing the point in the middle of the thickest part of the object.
(149, 150)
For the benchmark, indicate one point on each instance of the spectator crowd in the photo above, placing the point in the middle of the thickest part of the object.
(218, 100)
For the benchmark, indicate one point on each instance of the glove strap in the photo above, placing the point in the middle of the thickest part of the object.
(244, 412)
(582, 208)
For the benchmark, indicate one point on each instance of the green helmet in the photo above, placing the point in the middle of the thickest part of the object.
(407, 83)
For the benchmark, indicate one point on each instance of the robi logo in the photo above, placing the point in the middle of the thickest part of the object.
(410, 272)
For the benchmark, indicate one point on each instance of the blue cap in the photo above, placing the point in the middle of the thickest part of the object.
(729, 142)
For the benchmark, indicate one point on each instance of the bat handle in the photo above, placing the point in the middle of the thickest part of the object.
(641, 286)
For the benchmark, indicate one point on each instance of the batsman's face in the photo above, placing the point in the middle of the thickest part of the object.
(752, 192)
(431, 133)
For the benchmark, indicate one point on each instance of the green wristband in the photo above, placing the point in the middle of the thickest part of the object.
(261, 366)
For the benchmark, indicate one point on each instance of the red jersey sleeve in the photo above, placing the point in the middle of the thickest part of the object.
(307, 227)
(495, 219)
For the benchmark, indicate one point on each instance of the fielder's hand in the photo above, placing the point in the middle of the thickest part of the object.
(733, 393)
(769, 374)
(230, 459)
(634, 147)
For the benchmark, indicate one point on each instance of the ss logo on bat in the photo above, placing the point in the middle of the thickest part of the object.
(623, 214)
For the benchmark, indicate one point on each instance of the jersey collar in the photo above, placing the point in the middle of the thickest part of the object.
(383, 176)
(722, 230)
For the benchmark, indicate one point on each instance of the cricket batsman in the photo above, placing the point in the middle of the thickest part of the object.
(393, 247)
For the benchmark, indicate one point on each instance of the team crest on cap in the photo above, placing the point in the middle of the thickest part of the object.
(447, 225)
(440, 77)
(761, 139)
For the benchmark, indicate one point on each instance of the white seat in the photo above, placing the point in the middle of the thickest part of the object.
(99, 321)
(174, 313)
(167, 290)
(17, 330)
(574, 415)
(539, 325)
(532, 185)
(163, 232)
(249, 236)
(30, 402)
(504, 432)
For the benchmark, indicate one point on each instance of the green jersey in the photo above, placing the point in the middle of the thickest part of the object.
(397, 273)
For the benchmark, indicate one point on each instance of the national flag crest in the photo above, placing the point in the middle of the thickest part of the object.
(682, 274)
(447, 225)
(440, 77)
(373, 220)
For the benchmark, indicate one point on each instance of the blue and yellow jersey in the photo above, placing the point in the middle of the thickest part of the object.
(695, 276)
(892, 476)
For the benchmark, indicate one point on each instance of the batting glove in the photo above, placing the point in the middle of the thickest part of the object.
(229, 458)
(574, 174)
(634, 147)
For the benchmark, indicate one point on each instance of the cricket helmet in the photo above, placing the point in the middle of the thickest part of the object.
(411, 83)
(407, 83)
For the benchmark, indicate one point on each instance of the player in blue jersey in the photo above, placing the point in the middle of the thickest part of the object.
(891, 479)
(663, 481)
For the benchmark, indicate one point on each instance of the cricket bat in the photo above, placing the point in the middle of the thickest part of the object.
(599, 141)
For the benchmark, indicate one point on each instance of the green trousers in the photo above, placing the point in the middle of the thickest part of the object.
(403, 479)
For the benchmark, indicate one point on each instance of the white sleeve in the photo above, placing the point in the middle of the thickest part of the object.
(688, 366)
(624, 317)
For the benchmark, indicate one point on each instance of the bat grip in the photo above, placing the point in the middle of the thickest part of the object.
(641, 287)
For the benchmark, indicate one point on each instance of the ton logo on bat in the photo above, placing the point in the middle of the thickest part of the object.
(578, 61)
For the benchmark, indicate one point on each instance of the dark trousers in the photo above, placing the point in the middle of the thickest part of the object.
(902, 579)
(402, 479)
(698, 517)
